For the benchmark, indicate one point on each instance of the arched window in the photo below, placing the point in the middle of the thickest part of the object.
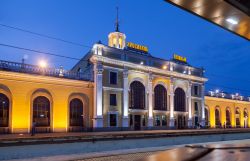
(228, 118)
(237, 116)
(217, 117)
(245, 113)
(206, 117)
(41, 111)
(160, 98)
(179, 100)
(245, 118)
(76, 112)
(137, 95)
(4, 111)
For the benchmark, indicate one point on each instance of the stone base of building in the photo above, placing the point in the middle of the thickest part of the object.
(98, 122)
(150, 122)
(125, 122)
(190, 123)
(203, 122)
(171, 123)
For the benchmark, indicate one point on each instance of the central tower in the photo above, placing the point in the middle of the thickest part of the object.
(117, 39)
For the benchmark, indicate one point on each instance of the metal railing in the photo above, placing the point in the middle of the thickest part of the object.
(53, 72)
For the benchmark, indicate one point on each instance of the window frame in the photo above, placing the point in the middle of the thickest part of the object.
(196, 93)
(73, 112)
(113, 94)
(113, 113)
(113, 71)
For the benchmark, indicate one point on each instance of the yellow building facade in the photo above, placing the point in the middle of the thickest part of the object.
(224, 112)
(23, 89)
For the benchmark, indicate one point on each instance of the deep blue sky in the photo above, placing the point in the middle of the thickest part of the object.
(162, 27)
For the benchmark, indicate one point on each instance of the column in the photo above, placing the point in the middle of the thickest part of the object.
(150, 100)
(125, 99)
(203, 119)
(189, 97)
(98, 114)
(171, 121)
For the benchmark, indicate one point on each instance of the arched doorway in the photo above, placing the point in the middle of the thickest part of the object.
(137, 102)
(41, 114)
(160, 98)
(228, 118)
(180, 108)
(206, 117)
(76, 115)
(245, 118)
(4, 111)
(237, 117)
(217, 118)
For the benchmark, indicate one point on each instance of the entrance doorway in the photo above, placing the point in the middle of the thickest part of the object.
(181, 122)
(137, 121)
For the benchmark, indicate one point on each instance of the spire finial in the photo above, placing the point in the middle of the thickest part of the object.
(117, 20)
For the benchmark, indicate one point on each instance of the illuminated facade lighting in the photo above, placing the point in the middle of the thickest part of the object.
(42, 63)
(232, 21)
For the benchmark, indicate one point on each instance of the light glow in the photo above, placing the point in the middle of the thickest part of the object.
(232, 21)
(42, 63)
(164, 67)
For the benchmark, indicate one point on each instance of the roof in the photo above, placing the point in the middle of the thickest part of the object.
(232, 15)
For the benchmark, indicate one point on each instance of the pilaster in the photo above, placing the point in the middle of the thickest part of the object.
(98, 111)
(125, 98)
(171, 121)
(150, 100)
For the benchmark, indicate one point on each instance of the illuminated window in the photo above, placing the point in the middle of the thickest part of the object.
(137, 95)
(76, 112)
(4, 111)
(160, 98)
(114, 42)
(179, 100)
(41, 111)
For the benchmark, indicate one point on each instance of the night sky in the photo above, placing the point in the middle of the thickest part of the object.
(162, 27)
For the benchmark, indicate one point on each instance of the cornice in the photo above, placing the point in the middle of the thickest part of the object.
(144, 68)
(15, 76)
(208, 98)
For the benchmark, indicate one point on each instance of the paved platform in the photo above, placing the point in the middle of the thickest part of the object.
(45, 138)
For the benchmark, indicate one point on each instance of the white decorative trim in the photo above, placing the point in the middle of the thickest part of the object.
(138, 110)
(112, 89)
(161, 83)
(161, 111)
(196, 98)
(147, 68)
(138, 79)
(112, 68)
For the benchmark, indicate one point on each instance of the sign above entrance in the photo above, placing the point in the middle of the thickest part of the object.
(180, 58)
(137, 47)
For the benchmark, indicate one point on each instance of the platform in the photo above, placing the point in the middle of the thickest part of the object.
(45, 138)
